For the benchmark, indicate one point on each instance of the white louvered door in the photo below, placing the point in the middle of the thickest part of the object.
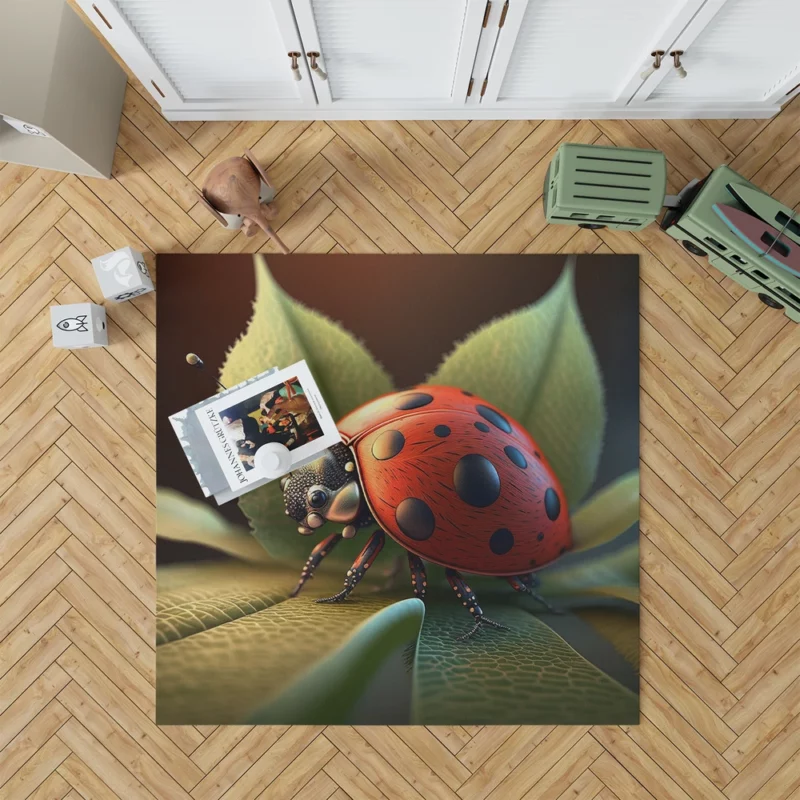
(391, 54)
(209, 54)
(556, 53)
(457, 59)
(740, 50)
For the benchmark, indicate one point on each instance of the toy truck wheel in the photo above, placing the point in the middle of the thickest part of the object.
(769, 301)
(693, 248)
(592, 226)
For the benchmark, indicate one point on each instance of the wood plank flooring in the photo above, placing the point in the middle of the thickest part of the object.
(720, 437)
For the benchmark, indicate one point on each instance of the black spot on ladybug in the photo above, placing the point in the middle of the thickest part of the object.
(501, 541)
(388, 445)
(490, 415)
(515, 457)
(441, 431)
(468, 394)
(415, 518)
(476, 480)
(482, 426)
(552, 505)
(413, 400)
(562, 551)
(539, 537)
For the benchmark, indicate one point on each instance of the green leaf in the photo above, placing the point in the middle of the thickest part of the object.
(274, 531)
(222, 674)
(325, 694)
(194, 598)
(241, 651)
(537, 364)
(185, 520)
(282, 331)
(609, 573)
(607, 514)
(526, 675)
(579, 632)
(621, 631)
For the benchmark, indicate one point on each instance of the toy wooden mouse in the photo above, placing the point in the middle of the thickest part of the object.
(237, 192)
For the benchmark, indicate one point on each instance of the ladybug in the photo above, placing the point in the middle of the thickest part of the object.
(447, 476)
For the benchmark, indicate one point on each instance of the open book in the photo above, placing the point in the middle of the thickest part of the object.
(224, 436)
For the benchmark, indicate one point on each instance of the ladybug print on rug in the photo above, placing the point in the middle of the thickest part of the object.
(457, 482)
(447, 476)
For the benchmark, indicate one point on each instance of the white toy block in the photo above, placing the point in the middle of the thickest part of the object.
(24, 127)
(78, 325)
(122, 274)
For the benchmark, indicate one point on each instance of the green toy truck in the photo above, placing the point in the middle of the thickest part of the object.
(624, 188)
(701, 231)
(605, 187)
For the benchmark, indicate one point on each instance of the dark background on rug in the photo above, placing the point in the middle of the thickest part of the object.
(407, 309)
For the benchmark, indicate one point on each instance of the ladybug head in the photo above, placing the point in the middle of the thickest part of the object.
(327, 489)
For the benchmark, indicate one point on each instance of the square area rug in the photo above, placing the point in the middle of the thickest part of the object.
(498, 471)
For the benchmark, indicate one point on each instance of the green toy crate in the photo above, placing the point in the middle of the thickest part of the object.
(597, 187)
(695, 224)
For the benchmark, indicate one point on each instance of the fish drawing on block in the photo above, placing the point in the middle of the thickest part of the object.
(77, 324)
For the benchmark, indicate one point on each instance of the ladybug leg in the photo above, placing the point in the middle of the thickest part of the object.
(317, 554)
(527, 584)
(419, 580)
(468, 599)
(359, 568)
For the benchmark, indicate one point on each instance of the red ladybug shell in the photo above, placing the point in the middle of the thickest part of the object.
(453, 480)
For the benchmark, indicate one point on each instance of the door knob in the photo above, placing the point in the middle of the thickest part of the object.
(294, 55)
(657, 56)
(676, 60)
(312, 57)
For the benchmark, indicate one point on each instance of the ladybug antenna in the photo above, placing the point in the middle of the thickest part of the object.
(194, 360)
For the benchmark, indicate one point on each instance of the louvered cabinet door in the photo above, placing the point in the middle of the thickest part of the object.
(390, 54)
(734, 52)
(553, 54)
(208, 55)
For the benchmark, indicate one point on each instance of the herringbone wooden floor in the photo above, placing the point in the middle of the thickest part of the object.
(720, 444)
